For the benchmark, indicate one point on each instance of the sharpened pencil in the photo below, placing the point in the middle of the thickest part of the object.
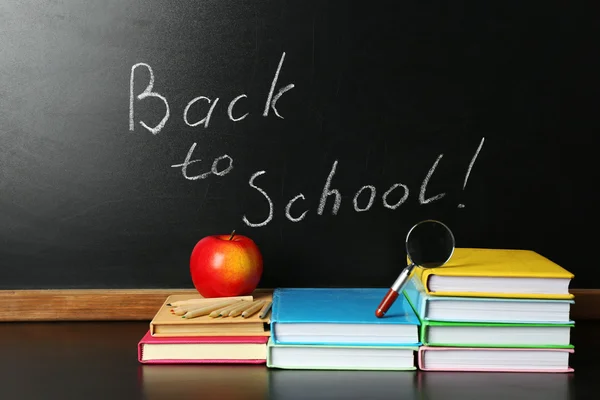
(239, 310)
(253, 309)
(207, 301)
(207, 309)
(224, 311)
(182, 309)
(265, 310)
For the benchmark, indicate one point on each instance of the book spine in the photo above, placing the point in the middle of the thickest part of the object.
(274, 313)
(423, 332)
(215, 361)
(140, 351)
(275, 305)
(416, 298)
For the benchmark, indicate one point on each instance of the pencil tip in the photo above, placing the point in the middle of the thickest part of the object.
(169, 304)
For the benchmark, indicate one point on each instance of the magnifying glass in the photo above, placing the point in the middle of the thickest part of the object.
(429, 244)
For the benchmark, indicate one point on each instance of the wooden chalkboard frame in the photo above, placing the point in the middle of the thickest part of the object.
(142, 304)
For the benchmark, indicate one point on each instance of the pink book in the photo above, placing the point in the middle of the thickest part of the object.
(202, 349)
(494, 359)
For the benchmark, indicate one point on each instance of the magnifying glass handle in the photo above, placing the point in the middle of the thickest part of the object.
(394, 291)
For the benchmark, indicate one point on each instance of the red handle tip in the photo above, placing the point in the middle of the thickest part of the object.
(386, 303)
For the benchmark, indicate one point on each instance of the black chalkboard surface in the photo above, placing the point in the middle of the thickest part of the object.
(130, 129)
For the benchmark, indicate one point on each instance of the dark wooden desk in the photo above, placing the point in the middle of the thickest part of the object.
(85, 360)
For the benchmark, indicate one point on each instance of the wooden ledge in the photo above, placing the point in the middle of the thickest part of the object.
(142, 304)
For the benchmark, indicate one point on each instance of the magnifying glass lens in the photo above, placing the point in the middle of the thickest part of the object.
(429, 244)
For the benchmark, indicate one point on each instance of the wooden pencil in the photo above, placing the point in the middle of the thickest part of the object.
(265, 310)
(242, 307)
(253, 309)
(182, 309)
(207, 300)
(224, 311)
(207, 309)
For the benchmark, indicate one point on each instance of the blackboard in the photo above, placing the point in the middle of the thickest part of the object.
(482, 115)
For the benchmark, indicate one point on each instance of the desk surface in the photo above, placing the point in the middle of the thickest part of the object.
(85, 360)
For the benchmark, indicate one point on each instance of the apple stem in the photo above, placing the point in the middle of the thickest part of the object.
(232, 235)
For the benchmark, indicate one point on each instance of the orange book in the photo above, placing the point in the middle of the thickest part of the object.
(167, 324)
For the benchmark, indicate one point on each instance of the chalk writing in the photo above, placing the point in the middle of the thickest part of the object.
(327, 191)
(422, 198)
(204, 120)
(288, 214)
(270, 104)
(230, 109)
(146, 93)
(363, 199)
(371, 198)
(214, 170)
(399, 202)
(272, 101)
(470, 167)
(261, 191)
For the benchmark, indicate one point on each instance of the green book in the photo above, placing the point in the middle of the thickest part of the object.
(477, 334)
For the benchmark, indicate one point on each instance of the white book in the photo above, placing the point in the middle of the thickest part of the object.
(496, 335)
(340, 357)
(494, 359)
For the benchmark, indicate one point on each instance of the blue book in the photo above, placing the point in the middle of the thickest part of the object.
(341, 316)
(485, 309)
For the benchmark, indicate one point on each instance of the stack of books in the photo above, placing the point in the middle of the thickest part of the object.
(194, 330)
(493, 310)
(336, 329)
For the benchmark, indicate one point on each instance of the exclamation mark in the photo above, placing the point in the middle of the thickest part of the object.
(471, 166)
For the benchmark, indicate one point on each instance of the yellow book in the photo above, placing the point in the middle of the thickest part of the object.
(166, 323)
(472, 272)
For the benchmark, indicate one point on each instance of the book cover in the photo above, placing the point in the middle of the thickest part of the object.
(341, 357)
(166, 324)
(484, 309)
(203, 350)
(496, 359)
(341, 307)
(496, 263)
(493, 334)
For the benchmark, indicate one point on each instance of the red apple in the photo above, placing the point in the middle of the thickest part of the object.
(226, 265)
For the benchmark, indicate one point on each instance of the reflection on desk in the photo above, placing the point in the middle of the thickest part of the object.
(496, 386)
(317, 385)
(206, 382)
(160, 382)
